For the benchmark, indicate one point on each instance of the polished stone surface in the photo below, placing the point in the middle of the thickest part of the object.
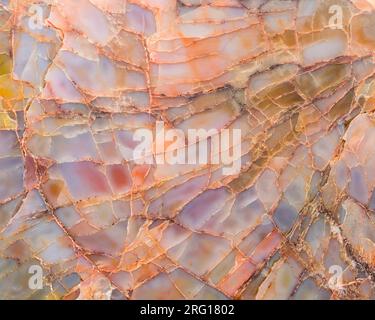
(81, 218)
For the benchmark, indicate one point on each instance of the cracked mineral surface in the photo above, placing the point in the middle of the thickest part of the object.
(81, 218)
